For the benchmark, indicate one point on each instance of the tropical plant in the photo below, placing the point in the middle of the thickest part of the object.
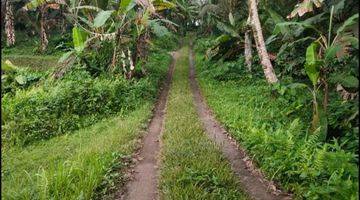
(9, 23)
(43, 6)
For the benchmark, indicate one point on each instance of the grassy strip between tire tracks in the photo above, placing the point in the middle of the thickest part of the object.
(192, 165)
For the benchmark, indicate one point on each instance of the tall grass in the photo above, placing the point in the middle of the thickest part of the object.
(71, 166)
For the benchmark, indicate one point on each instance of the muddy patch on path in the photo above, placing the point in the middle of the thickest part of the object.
(250, 178)
(143, 183)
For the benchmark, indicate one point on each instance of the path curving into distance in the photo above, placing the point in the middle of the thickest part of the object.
(256, 187)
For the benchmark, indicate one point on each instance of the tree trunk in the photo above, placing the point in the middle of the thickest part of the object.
(260, 44)
(248, 48)
(43, 37)
(9, 24)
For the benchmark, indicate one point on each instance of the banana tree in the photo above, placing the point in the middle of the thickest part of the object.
(43, 6)
(319, 56)
(9, 23)
(112, 23)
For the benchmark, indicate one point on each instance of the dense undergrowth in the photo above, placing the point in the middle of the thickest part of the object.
(96, 118)
(272, 123)
(77, 100)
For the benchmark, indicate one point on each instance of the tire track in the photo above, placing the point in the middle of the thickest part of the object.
(143, 185)
(254, 184)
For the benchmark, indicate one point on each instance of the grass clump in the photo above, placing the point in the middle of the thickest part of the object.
(193, 166)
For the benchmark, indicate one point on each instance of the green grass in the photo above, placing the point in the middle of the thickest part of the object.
(274, 131)
(192, 165)
(38, 63)
(71, 166)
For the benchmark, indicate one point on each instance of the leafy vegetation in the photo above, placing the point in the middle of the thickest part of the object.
(78, 100)
(79, 79)
(274, 128)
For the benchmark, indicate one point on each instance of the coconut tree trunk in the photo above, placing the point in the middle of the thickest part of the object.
(43, 37)
(260, 44)
(248, 49)
(9, 24)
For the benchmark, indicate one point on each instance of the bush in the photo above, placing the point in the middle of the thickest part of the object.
(75, 101)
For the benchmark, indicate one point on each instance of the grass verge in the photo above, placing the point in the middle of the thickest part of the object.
(72, 166)
(192, 165)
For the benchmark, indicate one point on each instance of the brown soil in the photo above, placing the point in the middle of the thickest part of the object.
(250, 178)
(143, 184)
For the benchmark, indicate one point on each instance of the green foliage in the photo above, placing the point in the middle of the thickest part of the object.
(312, 63)
(79, 38)
(274, 129)
(102, 17)
(76, 101)
(15, 78)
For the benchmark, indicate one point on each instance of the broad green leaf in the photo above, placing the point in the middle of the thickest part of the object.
(350, 82)
(278, 19)
(20, 79)
(312, 65)
(79, 38)
(349, 22)
(158, 29)
(124, 4)
(345, 80)
(231, 19)
(102, 17)
(222, 38)
(330, 53)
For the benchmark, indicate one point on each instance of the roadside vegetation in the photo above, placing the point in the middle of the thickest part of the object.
(79, 80)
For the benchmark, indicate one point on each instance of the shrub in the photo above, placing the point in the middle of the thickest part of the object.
(77, 100)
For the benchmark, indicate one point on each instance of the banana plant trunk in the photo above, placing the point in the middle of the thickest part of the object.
(9, 24)
(141, 49)
(43, 36)
(260, 44)
(247, 47)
